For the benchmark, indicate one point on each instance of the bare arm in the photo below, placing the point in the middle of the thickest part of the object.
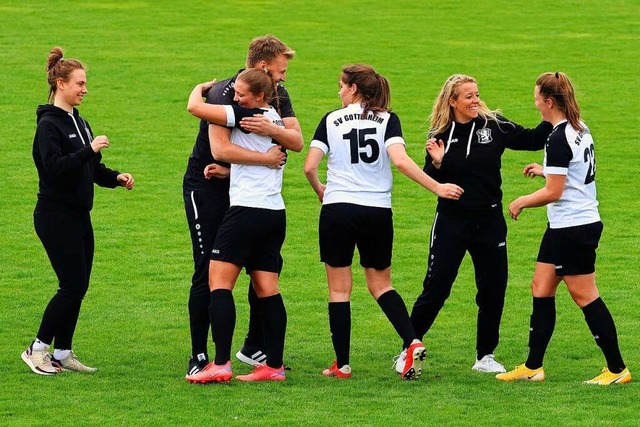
(223, 149)
(409, 168)
(290, 137)
(314, 156)
(550, 193)
(196, 106)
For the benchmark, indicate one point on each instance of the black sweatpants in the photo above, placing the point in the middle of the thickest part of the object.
(205, 211)
(67, 237)
(484, 237)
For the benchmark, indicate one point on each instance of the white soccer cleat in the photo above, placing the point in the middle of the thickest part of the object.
(488, 364)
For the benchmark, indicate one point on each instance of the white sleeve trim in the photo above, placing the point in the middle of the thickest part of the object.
(394, 140)
(319, 144)
(555, 170)
(231, 117)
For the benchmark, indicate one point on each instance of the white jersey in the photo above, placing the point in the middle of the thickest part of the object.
(252, 185)
(358, 167)
(571, 153)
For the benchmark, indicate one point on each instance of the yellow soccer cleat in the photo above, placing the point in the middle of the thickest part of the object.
(607, 377)
(523, 373)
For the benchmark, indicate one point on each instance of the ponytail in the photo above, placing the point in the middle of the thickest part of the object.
(557, 86)
(372, 87)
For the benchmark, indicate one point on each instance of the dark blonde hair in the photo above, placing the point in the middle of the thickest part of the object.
(372, 87)
(442, 112)
(267, 48)
(558, 87)
(58, 67)
(258, 82)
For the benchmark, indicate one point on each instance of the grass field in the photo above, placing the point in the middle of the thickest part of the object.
(143, 59)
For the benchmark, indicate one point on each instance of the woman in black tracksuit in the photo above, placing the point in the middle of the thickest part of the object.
(465, 148)
(67, 158)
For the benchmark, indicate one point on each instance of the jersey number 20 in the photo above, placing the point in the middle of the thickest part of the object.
(358, 142)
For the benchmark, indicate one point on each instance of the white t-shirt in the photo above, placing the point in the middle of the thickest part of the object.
(358, 167)
(571, 153)
(252, 185)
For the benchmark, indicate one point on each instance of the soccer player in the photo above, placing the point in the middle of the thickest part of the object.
(360, 140)
(252, 231)
(568, 248)
(465, 146)
(68, 159)
(206, 198)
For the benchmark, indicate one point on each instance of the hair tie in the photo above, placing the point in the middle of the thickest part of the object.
(557, 75)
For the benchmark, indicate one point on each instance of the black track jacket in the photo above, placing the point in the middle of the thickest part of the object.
(473, 161)
(67, 165)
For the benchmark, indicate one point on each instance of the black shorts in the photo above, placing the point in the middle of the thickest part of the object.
(251, 238)
(571, 250)
(343, 226)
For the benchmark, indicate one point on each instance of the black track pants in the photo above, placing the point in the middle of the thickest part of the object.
(204, 215)
(484, 237)
(67, 238)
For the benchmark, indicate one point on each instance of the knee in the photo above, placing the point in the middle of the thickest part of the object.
(73, 294)
(434, 291)
(540, 289)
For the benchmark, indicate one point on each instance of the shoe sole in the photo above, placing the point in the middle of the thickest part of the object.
(486, 371)
(248, 380)
(534, 378)
(248, 360)
(415, 370)
(625, 379)
(35, 369)
(334, 375)
(219, 379)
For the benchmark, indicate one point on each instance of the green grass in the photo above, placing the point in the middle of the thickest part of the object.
(143, 59)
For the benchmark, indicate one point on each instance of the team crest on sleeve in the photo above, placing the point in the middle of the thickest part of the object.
(484, 136)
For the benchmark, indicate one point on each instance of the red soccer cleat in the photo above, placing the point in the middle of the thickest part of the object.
(212, 373)
(264, 373)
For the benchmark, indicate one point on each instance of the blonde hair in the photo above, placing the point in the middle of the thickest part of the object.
(558, 87)
(442, 113)
(267, 48)
(59, 68)
(372, 87)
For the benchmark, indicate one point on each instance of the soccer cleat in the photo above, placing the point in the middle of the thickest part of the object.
(212, 373)
(71, 363)
(197, 364)
(488, 364)
(264, 373)
(251, 357)
(334, 371)
(416, 353)
(521, 372)
(39, 361)
(607, 377)
(399, 361)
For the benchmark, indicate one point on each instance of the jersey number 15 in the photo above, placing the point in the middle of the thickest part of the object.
(359, 142)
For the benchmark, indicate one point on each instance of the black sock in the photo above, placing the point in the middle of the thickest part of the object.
(604, 332)
(340, 327)
(394, 308)
(222, 312)
(543, 321)
(199, 322)
(275, 327)
(255, 339)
